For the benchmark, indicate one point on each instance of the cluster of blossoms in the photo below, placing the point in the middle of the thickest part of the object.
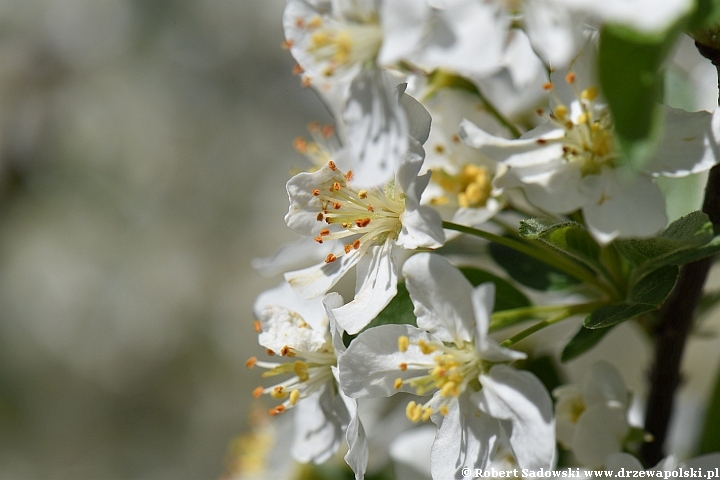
(459, 118)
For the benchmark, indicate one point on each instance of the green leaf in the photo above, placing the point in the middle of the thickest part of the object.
(629, 64)
(569, 237)
(398, 311)
(645, 296)
(678, 241)
(584, 340)
(529, 271)
(706, 14)
(506, 295)
(710, 441)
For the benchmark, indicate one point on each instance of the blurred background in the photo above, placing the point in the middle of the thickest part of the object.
(144, 148)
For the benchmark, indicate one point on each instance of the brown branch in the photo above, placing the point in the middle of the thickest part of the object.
(675, 322)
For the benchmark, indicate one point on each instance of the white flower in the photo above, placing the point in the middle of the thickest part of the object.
(305, 331)
(326, 205)
(337, 45)
(476, 396)
(571, 162)
(591, 418)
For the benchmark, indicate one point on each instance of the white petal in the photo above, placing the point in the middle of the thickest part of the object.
(358, 453)
(553, 32)
(334, 300)
(403, 23)
(618, 208)
(644, 15)
(377, 128)
(521, 398)
(707, 462)
(467, 36)
(410, 453)
(599, 432)
(421, 225)
(569, 402)
(483, 299)
(419, 119)
(316, 280)
(318, 427)
(311, 311)
(304, 206)
(689, 144)
(442, 297)
(377, 275)
(466, 438)
(604, 385)
(616, 461)
(370, 365)
(293, 255)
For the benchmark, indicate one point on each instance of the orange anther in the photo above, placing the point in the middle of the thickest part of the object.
(284, 350)
(547, 86)
(348, 247)
(297, 70)
(300, 144)
(541, 141)
(336, 205)
(269, 352)
(313, 126)
(540, 111)
(362, 222)
(362, 194)
(332, 166)
(349, 175)
(305, 82)
(320, 217)
(336, 186)
(258, 326)
(328, 131)
(570, 78)
(299, 22)
(257, 393)
(287, 44)
(318, 239)
(330, 258)
(324, 232)
(251, 362)
(356, 244)
(316, 192)
(370, 208)
(403, 366)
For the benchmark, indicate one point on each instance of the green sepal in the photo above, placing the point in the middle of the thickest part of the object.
(506, 295)
(584, 340)
(569, 237)
(645, 296)
(529, 271)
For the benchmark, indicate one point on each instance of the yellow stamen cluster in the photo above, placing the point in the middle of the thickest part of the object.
(309, 374)
(373, 215)
(471, 186)
(450, 371)
(589, 136)
(341, 45)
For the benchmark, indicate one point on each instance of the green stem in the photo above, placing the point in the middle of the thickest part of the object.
(507, 318)
(544, 255)
(567, 312)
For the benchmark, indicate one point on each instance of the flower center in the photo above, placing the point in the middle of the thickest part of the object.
(309, 372)
(588, 132)
(471, 186)
(373, 215)
(343, 44)
(451, 369)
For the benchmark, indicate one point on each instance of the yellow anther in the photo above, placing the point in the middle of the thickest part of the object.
(449, 389)
(403, 343)
(398, 383)
(362, 194)
(278, 393)
(414, 412)
(560, 112)
(582, 119)
(294, 397)
(444, 410)
(425, 348)
(301, 370)
(589, 94)
(410, 409)
(427, 412)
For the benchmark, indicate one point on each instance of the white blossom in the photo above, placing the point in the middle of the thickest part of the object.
(476, 396)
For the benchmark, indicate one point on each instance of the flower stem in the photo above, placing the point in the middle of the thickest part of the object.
(544, 255)
(498, 116)
(507, 318)
(566, 312)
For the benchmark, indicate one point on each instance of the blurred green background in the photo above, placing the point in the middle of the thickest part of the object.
(144, 147)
